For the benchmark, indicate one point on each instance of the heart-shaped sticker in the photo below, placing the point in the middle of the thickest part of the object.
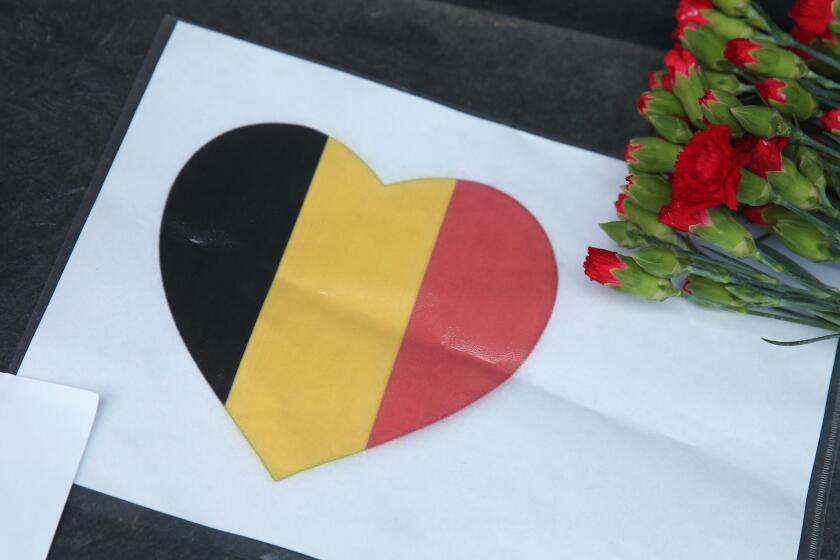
(330, 312)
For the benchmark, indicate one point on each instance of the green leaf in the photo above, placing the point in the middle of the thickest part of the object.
(800, 342)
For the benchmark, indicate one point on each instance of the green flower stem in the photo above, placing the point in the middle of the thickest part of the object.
(833, 318)
(744, 268)
(745, 76)
(820, 324)
(831, 138)
(821, 56)
(822, 81)
(802, 138)
(782, 264)
(825, 96)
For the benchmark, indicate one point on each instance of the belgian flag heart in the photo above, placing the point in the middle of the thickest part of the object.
(330, 312)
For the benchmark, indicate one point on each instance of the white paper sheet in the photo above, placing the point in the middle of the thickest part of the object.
(634, 430)
(43, 431)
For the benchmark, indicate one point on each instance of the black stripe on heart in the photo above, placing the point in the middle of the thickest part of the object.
(225, 226)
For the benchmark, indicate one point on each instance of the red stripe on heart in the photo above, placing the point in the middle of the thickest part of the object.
(485, 299)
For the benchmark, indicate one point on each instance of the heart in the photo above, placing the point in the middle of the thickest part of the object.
(331, 313)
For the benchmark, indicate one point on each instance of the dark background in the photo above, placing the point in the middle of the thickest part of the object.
(567, 69)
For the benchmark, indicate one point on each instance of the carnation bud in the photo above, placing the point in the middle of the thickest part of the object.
(624, 275)
(834, 25)
(624, 233)
(649, 191)
(723, 81)
(645, 220)
(673, 129)
(753, 190)
(755, 214)
(788, 97)
(662, 262)
(707, 46)
(753, 297)
(659, 79)
(757, 20)
(723, 230)
(659, 101)
(794, 187)
(686, 82)
(765, 122)
(830, 120)
(716, 107)
(765, 58)
(809, 163)
(728, 27)
(652, 155)
(735, 8)
(710, 291)
(798, 234)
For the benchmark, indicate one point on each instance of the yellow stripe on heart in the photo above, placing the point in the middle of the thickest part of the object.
(315, 368)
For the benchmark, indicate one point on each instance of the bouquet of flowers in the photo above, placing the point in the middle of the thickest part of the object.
(742, 180)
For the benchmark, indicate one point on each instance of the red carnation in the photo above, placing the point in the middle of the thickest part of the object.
(760, 155)
(739, 52)
(659, 78)
(653, 79)
(755, 214)
(628, 153)
(812, 15)
(690, 12)
(642, 104)
(706, 173)
(708, 98)
(679, 61)
(770, 90)
(619, 204)
(599, 265)
(681, 218)
(830, 120)
(806, 38)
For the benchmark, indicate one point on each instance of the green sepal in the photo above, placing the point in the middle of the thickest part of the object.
(673, 129)
(723, 81)
(707, 45)
(728, 27)
(649, 223)
(635, 281)
(725, 231)
(648, 190)
(798, 234)
(654, 156)
(809, 163)
(624, 233)
(688, 90)
(753, 190)
(710, 291)
(716, 106)
(765, 122)
(660, 101)
(773, 61)
(735, 8)
(799, 103)
(662, 262)
(753, 297)
(794, 187)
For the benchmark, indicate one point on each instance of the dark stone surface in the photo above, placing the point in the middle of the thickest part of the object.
(647, 22)
(67, 67)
